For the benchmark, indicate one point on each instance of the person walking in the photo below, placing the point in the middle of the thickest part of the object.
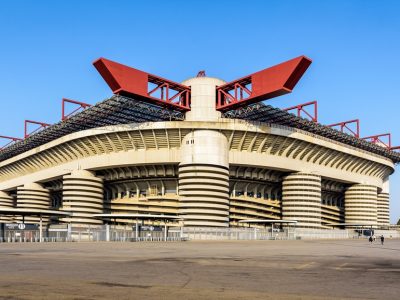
(370, 239)
(382, 239)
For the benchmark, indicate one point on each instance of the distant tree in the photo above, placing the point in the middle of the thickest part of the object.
(398, 222)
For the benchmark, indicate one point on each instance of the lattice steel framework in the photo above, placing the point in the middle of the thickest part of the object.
(10, 139)
(113, 111)
(345, 127)
(384, 140)
(265, 113)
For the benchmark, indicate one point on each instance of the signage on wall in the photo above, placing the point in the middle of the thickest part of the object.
(21, 226)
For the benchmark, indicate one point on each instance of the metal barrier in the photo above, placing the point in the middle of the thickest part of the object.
(68, 233)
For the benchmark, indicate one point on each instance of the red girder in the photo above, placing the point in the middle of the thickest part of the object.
(301, 111)
(127, 81)
(376, 139)
(266, 84)
(344, 126)
(12, 140)
(42, 125)
(82, 105)
(395, 148)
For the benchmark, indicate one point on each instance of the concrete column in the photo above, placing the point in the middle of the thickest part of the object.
(33, 196)
(204, 166)
(6, 201)
(301, 199)
(360, 204)
(204, 179)
(83, 196)
(383, 212)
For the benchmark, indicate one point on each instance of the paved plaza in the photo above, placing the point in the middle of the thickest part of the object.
(338, 269)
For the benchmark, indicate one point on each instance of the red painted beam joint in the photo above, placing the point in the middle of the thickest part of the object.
(266, 84)
(345, 128)
(377, 139)
(81, 105)
(127, 81)
(11, 141)
(301, 111)
(41, 126)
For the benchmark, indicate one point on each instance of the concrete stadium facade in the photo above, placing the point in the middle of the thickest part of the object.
(209, 170)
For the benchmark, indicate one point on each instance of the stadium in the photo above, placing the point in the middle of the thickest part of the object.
(206, 152)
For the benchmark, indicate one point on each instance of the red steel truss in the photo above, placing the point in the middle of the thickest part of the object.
(397, 148)
(377, 140)
(344, 127)
(127, 81)
(41, 126)
(11, 140)
(300, 111)
(266, 84)
(81, 105)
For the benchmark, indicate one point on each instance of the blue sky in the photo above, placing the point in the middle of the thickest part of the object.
(47, 48)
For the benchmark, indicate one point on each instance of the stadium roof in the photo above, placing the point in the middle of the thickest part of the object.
(123, 110)
(113, 111)
(265, 113)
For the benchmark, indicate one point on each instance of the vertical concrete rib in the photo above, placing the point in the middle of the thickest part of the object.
(360, 204)
(383, 215)
(83, 196)
(301, 199)
(6, 201)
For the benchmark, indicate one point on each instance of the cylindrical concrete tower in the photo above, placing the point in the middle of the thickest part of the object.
(204, 166)
(33, 196)
(301, 199)
(6, 201)
(83, 196)
(360, 204)
(383, 215)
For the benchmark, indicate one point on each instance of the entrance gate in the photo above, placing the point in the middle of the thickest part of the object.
(19, 233)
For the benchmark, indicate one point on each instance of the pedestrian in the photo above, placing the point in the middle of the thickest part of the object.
(382, 239)
(370, 239)
(374, 238)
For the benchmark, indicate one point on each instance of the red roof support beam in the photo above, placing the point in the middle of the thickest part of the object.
(41, 126)
(127, 81)
(263, 85)
(344, 127)
(80, 104)
(300, 111)
(11, 140)
(395, 148)
(377, 139)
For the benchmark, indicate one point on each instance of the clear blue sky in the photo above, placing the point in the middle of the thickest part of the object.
(47, 48)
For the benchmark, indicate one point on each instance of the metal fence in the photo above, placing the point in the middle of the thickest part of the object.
(68, 233)
(193, 233)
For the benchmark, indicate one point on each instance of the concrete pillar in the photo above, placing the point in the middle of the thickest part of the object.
(83, 196)
(360, 204)
(204, 166)
(33, 196)
(301, 199)
(6, 201)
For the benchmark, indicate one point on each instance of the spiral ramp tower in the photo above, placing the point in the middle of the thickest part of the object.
(361, 204)
(204, 166)
(33, 196)
(6, 201)
(301, 199)
(383, 216)
(83, 196)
